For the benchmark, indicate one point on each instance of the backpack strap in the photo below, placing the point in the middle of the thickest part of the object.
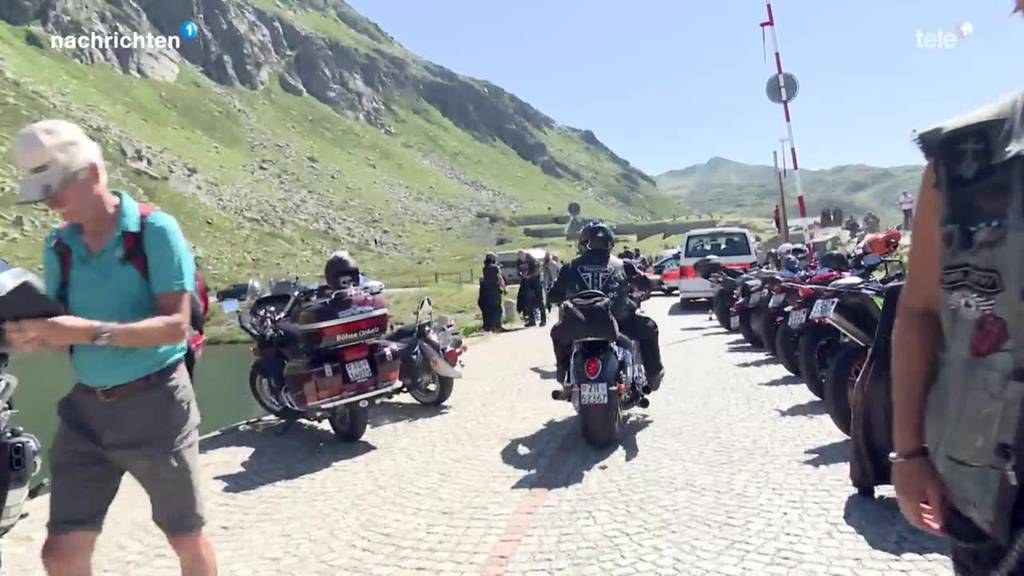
(63, 252)
(134, 250)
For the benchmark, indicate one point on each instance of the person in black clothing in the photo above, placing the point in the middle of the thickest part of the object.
(492, 287)
(531, 289)
(598, 270)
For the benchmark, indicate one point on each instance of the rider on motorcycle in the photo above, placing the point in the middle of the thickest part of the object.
(597, 269)
(341, 277)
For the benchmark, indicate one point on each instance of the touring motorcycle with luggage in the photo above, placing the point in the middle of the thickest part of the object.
(313, 362)
(606, 371)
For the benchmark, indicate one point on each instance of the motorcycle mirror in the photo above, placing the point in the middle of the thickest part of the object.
(230, 306)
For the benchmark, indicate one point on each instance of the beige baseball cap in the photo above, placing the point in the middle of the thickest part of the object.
(49, 152)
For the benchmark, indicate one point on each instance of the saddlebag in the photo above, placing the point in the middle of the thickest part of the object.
(588, 316)
(347, 371)
(323, 327)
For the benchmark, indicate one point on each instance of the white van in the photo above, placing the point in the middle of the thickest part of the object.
(735, 248)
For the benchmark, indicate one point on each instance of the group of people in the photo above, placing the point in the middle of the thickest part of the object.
(535, 278)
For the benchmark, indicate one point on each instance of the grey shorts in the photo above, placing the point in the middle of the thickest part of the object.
(152, 433)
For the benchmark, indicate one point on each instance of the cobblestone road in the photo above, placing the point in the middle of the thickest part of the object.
(734, 469)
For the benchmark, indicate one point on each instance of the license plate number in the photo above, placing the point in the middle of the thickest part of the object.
(776, 300)
(734, 322)
(593, 393)
(755, 298)
(824, 308)
(359, 370)
(797, 318)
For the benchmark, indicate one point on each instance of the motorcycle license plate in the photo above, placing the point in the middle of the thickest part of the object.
(359, 370)
(777, 300)
(824, 308)
(593, 393)
(797, 318)
(734, 322)
(754, 299)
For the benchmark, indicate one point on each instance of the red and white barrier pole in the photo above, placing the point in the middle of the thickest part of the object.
(770, 23)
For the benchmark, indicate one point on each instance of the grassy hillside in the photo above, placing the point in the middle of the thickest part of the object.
(734, 188)
(267, 182)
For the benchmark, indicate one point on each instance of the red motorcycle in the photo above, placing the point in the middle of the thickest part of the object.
(317, 359)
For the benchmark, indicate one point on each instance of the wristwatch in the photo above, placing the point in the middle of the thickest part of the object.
(895, 457)
(103, 336)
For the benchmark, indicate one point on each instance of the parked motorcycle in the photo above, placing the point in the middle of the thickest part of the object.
(606, 371)
(725, 282)
(871, 405)
(856, 317)
(313, 362)
(793, 319)
(431, 354)
(19, 458)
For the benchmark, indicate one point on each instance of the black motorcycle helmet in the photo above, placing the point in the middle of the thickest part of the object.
(341, 265)
(836, 261)
(601, 237)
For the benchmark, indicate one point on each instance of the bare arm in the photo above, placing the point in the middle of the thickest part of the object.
(169, 326)
(918, 331)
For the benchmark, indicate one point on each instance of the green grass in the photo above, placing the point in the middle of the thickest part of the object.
(195, 123)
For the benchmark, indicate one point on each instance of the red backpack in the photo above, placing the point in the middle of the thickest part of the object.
(134, 254)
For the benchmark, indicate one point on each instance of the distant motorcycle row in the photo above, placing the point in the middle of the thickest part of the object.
(830, 324)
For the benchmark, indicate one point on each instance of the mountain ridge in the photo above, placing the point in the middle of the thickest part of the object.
(299, 123)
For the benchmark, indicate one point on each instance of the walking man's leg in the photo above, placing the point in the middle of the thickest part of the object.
(83, 484)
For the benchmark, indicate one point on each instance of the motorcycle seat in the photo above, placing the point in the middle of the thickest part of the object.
(402, 333)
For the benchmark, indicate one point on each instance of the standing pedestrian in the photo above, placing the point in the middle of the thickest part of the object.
(550, 270)
(133, 409)
(492, 288)
(778, 220)
(907, 206)
(957, 375)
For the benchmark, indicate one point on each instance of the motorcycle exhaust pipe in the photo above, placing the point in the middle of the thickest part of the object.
(646, 390)
(559, 395)
(363, 403)
(643, 402)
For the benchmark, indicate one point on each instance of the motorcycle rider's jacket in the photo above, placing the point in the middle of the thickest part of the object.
(973, 423)
(598, 270)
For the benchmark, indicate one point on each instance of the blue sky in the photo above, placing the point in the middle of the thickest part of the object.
(670, 83)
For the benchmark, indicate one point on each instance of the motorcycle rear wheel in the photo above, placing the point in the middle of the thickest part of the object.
(721, 308)
(259, 385)
(842, 376)
(815, 350)
(786, 342)
(766, 328)
(441, 390)
(747, 329)
(602, 424)
(349, 422)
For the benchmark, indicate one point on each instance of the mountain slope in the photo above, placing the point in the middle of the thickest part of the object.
(734, 188)
(290, 128)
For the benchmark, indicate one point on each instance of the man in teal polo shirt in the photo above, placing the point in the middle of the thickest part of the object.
(133, 409)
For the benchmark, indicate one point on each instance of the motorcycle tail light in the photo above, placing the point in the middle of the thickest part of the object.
(451, 355)
(592, 367)
(807, 292)
(357, 352)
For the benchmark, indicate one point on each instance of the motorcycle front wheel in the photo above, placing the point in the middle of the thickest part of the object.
(349, 422)
(434, 392)
(263, 391)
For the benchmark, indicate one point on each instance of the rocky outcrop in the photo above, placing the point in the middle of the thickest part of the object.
(241, 45)
(20, 12)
